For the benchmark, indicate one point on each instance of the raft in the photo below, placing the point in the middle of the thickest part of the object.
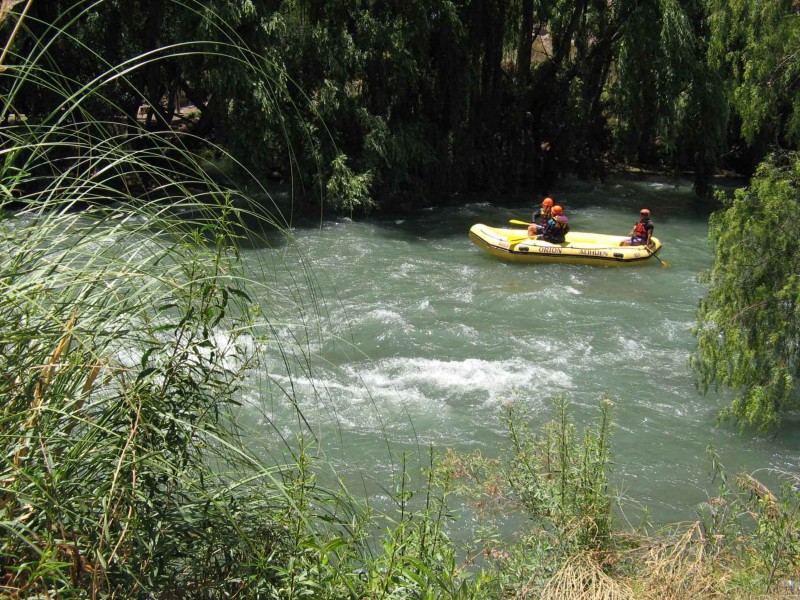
(580, 248)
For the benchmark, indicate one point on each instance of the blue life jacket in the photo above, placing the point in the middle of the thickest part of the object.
(555, 230)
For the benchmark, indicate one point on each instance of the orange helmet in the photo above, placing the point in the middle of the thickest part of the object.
(547, 202)
(557, 210)
(645, 211)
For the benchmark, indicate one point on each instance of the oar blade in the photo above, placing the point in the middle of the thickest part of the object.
(517, 239)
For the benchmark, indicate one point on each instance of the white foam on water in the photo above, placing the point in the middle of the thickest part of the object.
(463, 330)
(631, 345)
(431, 380)
(380, 324)
(383, 315)
(402, 270)
(385, 394)
(321, 400)
(474, 208)
(675, 330)
(464, 295)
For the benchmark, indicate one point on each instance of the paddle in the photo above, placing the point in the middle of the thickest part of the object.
(518, 238)
(663, 262)
(515, 239)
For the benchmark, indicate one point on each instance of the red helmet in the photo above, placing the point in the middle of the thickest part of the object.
(557, 210)
(645, 212)
(547, 202)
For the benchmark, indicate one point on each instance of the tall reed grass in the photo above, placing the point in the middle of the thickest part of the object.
(127, 324)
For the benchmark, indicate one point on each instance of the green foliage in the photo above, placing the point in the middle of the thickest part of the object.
(556, 481)
(417, 559)
(346, 190)
(126, 329)
(369, 555)
(748, 335)
(423, 98)
(670, 106)
(125, 335)
(755, 42)
(115, 388)
(754, 531)
(561, 478)
(367, 75)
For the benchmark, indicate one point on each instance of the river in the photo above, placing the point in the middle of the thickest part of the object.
(415, 338)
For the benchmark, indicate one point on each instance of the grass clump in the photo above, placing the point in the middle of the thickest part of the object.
(127, 328)
(555, 483)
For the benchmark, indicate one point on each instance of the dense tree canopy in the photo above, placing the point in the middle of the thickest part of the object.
(755, 45)
(749, 325)
(378, 103)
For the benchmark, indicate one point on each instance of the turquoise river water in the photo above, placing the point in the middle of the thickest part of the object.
(399, 334)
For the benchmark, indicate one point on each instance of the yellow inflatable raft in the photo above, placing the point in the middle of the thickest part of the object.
(580, 248)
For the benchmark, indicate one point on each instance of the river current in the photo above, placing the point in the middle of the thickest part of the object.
(397, 335)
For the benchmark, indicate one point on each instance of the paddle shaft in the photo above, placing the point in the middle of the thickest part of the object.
(663, 263)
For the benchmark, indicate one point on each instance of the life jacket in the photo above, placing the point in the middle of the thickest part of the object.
(557, 228)
(640, 229)
(542, 216)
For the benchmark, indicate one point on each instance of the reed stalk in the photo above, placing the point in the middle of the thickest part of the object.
(127, 328)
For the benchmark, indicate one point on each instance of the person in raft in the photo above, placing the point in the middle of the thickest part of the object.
(557, 227)
(642, 231)
(540, 217)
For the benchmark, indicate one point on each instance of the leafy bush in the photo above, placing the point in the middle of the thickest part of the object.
(754, 531)
(748, 329)
(555, 481)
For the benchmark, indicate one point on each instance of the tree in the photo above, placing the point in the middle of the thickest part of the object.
(748, 328)
(754, 46)
(415, 100)
(108, 58)
(749, 324)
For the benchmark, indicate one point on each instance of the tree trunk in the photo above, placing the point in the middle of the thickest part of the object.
(564, 45)
(525, 47)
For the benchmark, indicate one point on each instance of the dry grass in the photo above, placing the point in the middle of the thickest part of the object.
(682, 569)
(6, 6)
(582, 578)
(677, 570)
(5, 10)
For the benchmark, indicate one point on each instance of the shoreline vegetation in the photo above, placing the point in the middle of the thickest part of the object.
(128, 323)
(362, 110)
